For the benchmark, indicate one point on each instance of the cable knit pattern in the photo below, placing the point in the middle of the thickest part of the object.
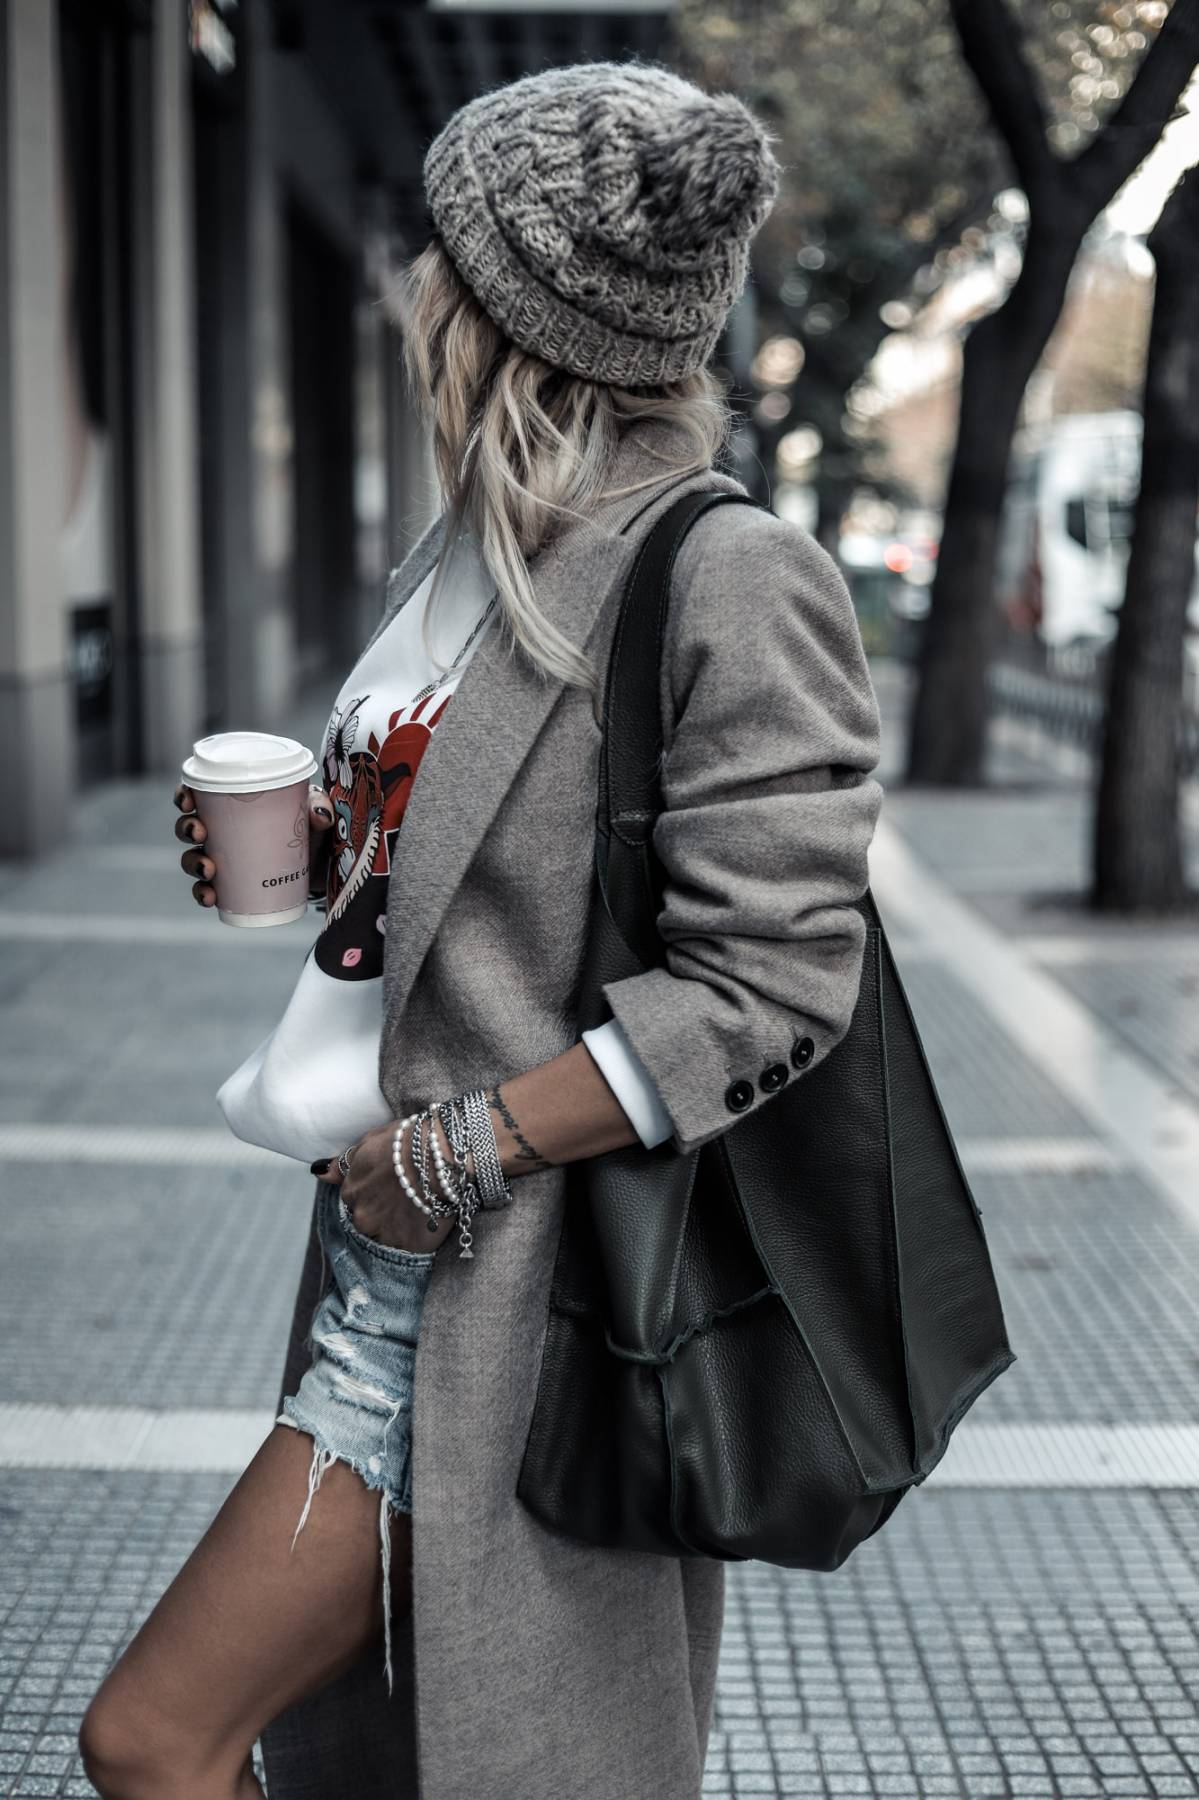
(602, 214)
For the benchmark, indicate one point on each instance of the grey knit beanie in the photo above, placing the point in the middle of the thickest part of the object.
(602, 214)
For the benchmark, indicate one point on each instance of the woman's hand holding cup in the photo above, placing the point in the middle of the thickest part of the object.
(190, 828)
(246, 797)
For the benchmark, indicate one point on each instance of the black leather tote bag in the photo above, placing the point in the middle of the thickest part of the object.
(756, 1349)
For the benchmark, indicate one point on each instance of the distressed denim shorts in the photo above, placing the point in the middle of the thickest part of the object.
(355, 1398)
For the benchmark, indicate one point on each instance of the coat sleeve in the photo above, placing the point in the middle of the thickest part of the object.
(771, 733)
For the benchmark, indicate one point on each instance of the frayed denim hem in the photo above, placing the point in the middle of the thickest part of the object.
(323, 1454)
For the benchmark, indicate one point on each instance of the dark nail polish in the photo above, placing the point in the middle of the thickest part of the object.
(317, 1168)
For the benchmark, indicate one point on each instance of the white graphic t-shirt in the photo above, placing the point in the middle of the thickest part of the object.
(311, 1087)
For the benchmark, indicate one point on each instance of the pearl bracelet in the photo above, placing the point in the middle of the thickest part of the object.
(467, 1123)
(464, 1202)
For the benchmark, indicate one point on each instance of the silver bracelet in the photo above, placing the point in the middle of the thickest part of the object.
(468, 1126)
(463, 1205)
(459, 1203)
(455, 1132)
(494, 1191)
(419, 1152)
(451, 1186)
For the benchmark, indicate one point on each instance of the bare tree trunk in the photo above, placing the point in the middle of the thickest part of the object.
(947, 729)
(833, 495)
(1138, 857)
(947, 733)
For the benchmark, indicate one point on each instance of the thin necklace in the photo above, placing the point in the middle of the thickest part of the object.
(431, 687)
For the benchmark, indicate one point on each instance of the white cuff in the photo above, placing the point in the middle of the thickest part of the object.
(626, 1076)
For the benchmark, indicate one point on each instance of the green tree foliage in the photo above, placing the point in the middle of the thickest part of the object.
(947, 726)
(889, 156)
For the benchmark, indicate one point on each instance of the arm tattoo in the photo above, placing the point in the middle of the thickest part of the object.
(525, 1151)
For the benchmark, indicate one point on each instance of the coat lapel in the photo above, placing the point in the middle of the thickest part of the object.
(498, 708)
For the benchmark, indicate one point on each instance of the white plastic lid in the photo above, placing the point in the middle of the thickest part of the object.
(238, 762)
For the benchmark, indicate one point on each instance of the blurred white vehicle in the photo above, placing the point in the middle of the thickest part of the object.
(1064, 538)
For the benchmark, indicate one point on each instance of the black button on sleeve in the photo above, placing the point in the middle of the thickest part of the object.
(802, 1052)
(738, 1095)
(772, 1077)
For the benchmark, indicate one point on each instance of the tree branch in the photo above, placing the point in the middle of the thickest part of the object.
(990, 40)
(1128, 135)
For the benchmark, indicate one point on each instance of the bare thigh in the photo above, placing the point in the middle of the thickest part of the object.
(250, 1625)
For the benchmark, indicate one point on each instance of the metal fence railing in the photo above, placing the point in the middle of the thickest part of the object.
(1063, 693)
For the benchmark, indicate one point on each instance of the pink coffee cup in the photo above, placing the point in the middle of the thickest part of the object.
(251, 791)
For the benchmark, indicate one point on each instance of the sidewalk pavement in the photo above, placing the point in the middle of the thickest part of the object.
(1026, 1625)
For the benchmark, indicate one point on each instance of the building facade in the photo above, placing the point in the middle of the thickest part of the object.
(207, 458)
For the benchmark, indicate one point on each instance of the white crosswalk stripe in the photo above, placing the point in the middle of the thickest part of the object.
(148, 1144)
(214, 1440)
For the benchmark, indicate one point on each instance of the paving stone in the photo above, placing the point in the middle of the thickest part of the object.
(1011, 1593)
(65, 1058)
(1052, 1566)
(997, 841)
(1149, 1002)
(1096, 1274)
(987, 1085)
(181, 1280)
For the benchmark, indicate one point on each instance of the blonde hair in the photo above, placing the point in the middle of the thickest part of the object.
(520, 446)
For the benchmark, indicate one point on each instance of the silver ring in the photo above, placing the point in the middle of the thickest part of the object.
(343, 1161)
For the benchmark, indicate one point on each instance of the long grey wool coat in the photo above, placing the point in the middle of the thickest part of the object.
(535, 1667)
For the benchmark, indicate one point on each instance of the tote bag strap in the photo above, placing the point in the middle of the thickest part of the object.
(630, 784)
(630, 787)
